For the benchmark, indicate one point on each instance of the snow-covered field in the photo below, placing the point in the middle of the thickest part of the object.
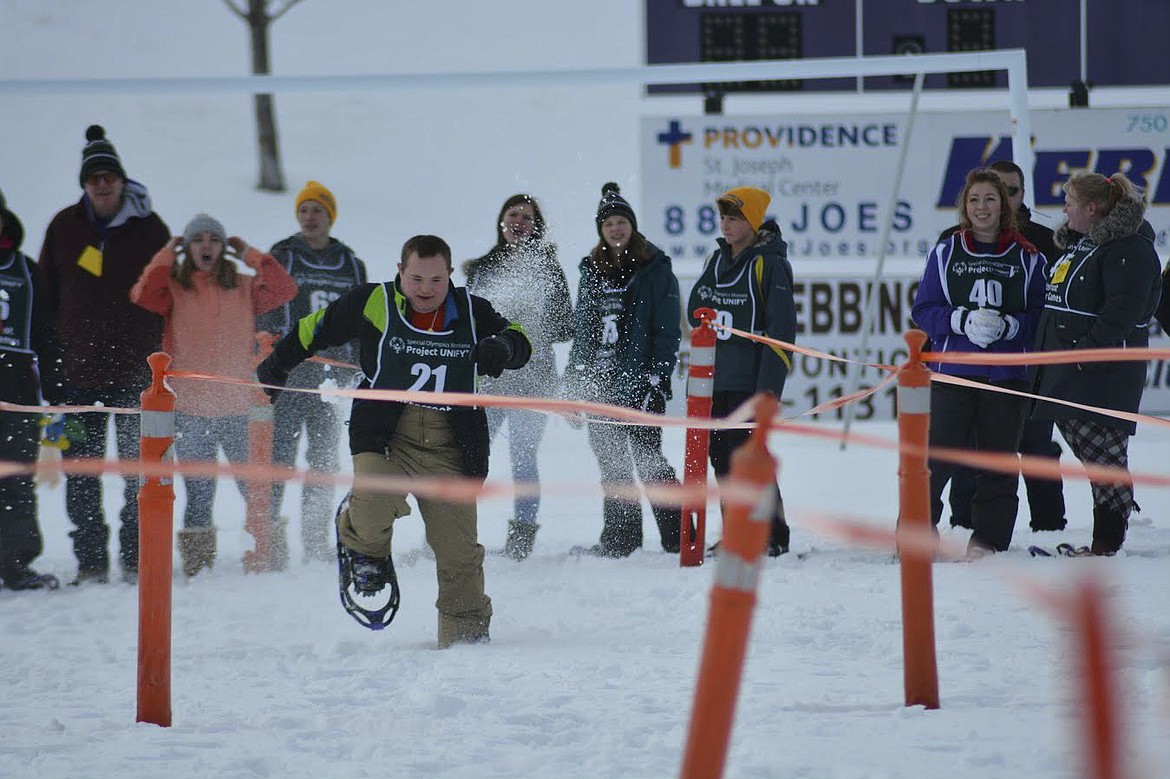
(592, 663)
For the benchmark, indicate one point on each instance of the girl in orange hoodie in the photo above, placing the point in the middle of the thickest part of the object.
(209, 311)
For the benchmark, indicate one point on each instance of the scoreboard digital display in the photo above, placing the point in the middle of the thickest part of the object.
(740, 37)
(1123, 38)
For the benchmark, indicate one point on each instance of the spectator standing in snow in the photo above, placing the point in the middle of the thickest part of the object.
(522, 276)
(1163, 312)
(1101, 294)
(323, 268)
(1045, 496)
(748, 281)
(30, 370)
(982, 290)
(625, 346)
(209, 309)
(92, 254)
(417, 332)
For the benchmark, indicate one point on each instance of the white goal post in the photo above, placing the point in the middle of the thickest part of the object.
(1014, 61)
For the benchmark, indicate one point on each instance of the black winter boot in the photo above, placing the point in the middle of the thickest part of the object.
(780, 536)
(1109, 528)
(90, 546)
(520, 540)
(669, 520)
(621, 531)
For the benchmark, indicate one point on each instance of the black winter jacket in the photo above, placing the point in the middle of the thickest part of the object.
(330, 269)
(1101, 294)
(765, 368)
(27, 378)
(358, 314)
(105, 336)
(647, 344)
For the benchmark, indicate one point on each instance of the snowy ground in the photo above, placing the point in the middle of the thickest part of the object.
(592, 663)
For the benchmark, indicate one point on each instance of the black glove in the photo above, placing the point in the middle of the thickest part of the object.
(270, 371)
(491, 355)
(655, 398)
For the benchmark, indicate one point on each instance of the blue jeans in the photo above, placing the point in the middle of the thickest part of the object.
(199, 439)
(525, 429)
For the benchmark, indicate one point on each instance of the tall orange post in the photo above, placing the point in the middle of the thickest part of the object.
(700, 385)
(269, 554)
(1102, 736)
(733, 599)
(920, 667)
(156, 504)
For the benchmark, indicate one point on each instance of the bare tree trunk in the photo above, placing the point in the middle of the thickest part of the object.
(271, 171)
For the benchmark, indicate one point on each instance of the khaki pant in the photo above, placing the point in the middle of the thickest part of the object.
(424, 445)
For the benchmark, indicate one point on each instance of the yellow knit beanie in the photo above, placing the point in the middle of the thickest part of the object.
(749, 201)
(315, 190)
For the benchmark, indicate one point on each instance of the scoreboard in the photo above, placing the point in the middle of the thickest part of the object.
(1123, 44)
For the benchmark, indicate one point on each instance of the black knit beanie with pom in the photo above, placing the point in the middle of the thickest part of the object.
(99, 154)
(613, 203)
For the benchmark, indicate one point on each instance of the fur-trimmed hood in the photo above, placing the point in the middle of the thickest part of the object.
(1123, 221)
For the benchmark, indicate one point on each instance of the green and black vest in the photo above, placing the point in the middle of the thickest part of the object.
(424, 360)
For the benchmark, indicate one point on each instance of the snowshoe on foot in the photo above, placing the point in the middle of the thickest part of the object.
(25, 578)
(362, 576)
(1068, 550)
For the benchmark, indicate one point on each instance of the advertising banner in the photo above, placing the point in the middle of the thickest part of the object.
(830, 178)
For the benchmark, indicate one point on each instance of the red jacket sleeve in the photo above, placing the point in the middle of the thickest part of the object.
(153, 288)
(273, 286)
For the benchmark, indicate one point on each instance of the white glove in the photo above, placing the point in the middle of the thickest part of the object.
(985, 326)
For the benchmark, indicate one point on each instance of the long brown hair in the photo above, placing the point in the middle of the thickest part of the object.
(612, 264)
(538, 225)
(223, 271)
(1007, 217)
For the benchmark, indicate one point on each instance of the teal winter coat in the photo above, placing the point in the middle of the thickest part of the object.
(648, 340)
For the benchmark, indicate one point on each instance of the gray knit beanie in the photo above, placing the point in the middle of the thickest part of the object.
(204, 223)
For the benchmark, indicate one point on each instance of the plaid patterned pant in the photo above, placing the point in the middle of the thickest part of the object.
(1098, 444)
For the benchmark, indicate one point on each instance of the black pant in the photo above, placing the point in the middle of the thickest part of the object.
(992, 421)
(20, 536)
(620, 450)
(724, 442)
(83, 494)
(1045, 496)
